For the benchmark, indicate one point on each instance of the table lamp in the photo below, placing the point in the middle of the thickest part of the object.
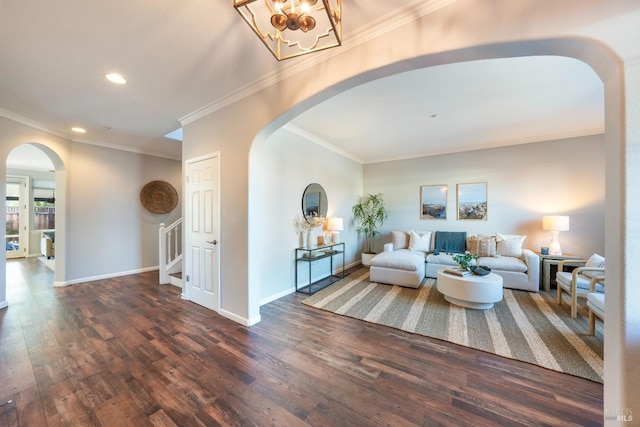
(335, 226)
(555, 224)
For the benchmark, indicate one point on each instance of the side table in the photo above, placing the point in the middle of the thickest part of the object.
(546, 261)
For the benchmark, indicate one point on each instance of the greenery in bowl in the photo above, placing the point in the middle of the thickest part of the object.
(466, 260)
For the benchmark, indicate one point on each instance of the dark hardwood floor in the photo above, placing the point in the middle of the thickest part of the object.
(129, 352)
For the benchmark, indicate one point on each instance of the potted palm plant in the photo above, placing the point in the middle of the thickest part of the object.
(369, 214)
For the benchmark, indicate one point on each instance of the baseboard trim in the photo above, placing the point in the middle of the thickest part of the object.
(102, 277)
(239, 319)
(286, 292)
(277, 296)
(353, 264)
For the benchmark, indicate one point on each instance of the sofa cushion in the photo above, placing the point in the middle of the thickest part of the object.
(583, 283)
(450, 241)
(441, 258)
(503, 264)
(482, 244)
(420, 241)
(596, 300)
(509, 245)
(400, 239)
(402, 259)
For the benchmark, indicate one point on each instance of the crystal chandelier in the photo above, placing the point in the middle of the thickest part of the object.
(292, 28)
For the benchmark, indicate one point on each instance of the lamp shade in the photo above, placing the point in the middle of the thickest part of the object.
(335, 224)
(555, 223)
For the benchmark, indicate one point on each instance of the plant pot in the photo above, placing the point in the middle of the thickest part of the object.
(366, 259)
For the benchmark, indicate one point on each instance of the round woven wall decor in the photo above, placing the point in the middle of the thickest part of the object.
(159, 197)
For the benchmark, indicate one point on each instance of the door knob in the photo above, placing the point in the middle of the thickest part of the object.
(212, 242)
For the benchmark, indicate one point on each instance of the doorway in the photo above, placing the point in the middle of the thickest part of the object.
(31, 203)
(202, 259)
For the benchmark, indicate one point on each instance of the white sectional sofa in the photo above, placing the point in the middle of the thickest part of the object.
(417, 255)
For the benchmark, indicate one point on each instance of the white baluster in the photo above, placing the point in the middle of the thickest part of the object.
(163, 276)
(176, 241)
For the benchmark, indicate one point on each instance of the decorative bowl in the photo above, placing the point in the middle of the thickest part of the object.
(480, 270)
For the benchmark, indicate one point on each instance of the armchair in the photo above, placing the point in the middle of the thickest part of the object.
(577, 282)
(595, 303)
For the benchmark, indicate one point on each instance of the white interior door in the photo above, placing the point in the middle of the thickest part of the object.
(202, 224)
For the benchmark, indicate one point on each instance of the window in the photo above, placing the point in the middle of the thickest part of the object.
(13, 217)
(44, 209)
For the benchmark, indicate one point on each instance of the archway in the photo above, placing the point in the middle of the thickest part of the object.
(564, 47)
(30, 202)
(610, 69)
(60, 196)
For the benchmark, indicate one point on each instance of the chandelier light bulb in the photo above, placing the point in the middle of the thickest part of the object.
(319, 21)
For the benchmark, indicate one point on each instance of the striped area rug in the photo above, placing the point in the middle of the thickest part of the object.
(525, 326)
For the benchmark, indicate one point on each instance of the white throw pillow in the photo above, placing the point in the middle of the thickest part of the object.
(419, 242)
(400, 240)
(509, 245)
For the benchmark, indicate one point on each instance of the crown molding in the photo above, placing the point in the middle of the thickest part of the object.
(28, 122)
(321, 142)
(39, 126)
(382, 25)
(125, 148)
(498, 144)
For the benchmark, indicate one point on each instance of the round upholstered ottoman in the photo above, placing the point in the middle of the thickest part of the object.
(470, 291)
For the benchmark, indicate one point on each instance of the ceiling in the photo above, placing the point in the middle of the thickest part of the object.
(28, 157)
(188, 58)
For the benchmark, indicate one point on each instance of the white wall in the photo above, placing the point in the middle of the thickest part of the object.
(109, 229)
(524, 182)
(101, 227)
(286, 164)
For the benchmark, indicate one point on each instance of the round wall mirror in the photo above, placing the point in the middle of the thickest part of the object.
(314, 204)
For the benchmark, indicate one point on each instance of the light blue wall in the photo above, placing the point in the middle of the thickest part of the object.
(524, 183)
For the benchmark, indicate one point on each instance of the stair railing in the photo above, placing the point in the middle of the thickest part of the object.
(170, 250)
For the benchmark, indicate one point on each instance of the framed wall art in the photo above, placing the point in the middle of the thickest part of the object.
(472, 201)
(433, 201)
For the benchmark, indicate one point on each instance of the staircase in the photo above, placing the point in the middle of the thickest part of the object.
(170, 253)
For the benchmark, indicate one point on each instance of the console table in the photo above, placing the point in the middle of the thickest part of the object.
(546, 262)
(309, 254)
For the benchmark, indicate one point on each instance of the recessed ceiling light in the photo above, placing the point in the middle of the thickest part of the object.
(116, 78)
(77, 129)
